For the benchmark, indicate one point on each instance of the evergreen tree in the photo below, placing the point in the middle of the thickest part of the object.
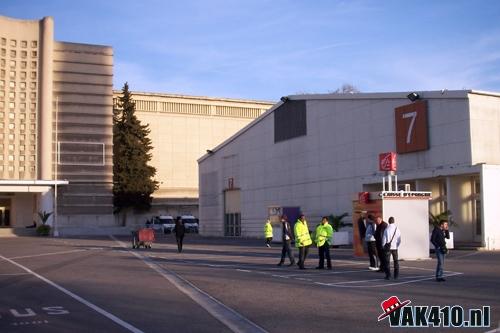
(133, 178)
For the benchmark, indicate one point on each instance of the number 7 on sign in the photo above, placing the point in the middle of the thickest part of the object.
(413, 116)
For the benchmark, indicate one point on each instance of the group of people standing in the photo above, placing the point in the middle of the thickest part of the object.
(322, 237)
(383, 240)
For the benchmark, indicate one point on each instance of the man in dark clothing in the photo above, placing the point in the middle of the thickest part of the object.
(287, 239)
(438, 239)
(179, 233)
(379, 233)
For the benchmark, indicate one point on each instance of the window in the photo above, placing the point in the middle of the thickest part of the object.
(12, 105)
(24, 44)
(13, 53)
(24, 64)
(2, 73)
(12, 64)
(3, 52)
(290, 121)
(33, 75)
(33, 85)
(34, 43)
(23, 76)
(12, 95)
(24, 54)
(32, 95)
(12, 74)
(33, 64)
(2, 62)
(12, 84)
(22, 85)
(4, 41)
(13, 43)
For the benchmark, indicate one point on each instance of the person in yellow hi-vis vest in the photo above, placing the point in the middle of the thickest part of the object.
(268, 232)
(302, 239)
(323, 239)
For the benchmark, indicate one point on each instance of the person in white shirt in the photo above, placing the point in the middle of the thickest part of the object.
(371, 243)
(390, 243)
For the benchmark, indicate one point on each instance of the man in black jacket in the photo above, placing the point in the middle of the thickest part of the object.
(379, 233)
(287, 239)
(438, 239)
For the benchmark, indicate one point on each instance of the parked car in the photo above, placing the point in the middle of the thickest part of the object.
(190, 223)
(164, 223)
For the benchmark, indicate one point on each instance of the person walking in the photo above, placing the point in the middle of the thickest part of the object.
(179, 233)
(287, 240)
(370, 243)
(379, 233)
(438, 239)
(268, 232)
(390, 242)
(323, 239)
(302, 239)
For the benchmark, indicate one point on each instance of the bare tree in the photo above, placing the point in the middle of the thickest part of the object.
(346, 88)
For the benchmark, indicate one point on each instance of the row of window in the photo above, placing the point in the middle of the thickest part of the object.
(22, 54)
(22, 158)
(22, 43)
(22, 75)
(22, 106)
(10, 168)
(22, 137)
(13, 63)
(22, 85)
(22, 95)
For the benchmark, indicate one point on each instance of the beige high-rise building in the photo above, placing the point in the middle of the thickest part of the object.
(55, 128)
(183, 128)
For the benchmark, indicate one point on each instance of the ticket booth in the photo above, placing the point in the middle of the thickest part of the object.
(410, 210)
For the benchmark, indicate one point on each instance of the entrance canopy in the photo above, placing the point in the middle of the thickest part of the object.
(33, 186)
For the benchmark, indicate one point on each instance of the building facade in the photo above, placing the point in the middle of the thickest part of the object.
(314, 153)
(183, 128)
(55, 127)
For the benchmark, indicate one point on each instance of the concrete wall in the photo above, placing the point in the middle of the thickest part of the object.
(320, 172)
(490, 181)
(485, 128)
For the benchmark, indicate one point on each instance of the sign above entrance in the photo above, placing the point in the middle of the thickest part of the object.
(411, 127)
(387, 161)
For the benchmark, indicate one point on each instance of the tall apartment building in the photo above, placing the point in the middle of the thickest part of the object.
(183, 128)
(55, 127)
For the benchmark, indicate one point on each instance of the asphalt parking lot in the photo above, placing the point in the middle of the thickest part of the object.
(223, 285)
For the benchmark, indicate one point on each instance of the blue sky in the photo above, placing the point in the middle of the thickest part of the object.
(264, 49)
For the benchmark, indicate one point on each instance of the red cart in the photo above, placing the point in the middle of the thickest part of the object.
(143, 237)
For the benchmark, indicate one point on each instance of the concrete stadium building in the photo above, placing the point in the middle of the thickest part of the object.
(183, 128)
(55, 127)
(316, 152)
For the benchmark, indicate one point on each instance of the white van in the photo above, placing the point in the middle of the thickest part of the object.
(190, 223)
(164, 223)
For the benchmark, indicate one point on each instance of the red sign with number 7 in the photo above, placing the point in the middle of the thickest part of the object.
(411, 127)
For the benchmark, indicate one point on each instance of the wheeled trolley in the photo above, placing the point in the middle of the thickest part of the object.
(143, 237)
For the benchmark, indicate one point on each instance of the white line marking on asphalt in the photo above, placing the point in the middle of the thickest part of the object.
(345, 284)
(229, 317)
(244, 270)
(78, 298)
(48, 254)
(328, 273)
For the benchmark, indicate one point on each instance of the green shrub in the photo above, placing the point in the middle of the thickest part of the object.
(43, 230)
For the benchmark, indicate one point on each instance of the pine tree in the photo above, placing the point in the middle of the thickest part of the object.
(133, 178)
